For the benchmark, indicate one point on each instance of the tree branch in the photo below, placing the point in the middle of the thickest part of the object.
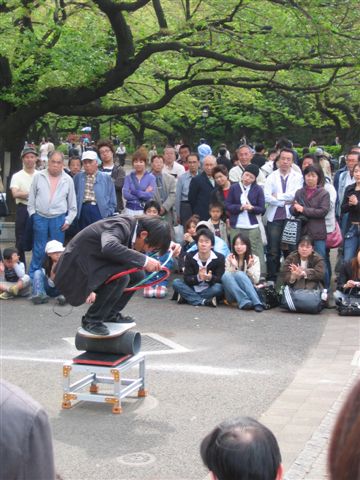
(160, 14)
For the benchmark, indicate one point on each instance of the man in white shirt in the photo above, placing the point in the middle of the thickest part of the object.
(279, 190)
(172, 167)
(182, 204)
(20, 187)
(245, 155)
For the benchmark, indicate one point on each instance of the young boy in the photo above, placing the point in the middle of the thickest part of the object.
(17, 283)
(218, 226)
(202, 275)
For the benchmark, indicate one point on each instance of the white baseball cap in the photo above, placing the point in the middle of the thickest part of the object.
(89, 155)
(54, 246)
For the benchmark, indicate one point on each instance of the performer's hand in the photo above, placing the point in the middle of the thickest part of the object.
(65, 227)
(91, 298)
(152, 265)
(176, 248)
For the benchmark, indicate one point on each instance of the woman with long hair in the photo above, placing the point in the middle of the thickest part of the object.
(242, 272)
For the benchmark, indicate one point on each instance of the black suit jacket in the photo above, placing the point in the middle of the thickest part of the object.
(217, 267)
(199, 195)
(95, 254)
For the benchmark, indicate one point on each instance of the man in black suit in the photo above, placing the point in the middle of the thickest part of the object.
(201, 188)
(101, 250)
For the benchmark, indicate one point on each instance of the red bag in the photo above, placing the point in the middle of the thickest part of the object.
(334, 239)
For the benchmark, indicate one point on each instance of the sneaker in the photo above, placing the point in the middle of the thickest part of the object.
(14, 290)
(210, 302)
(6, 296)
(247, 306)
(180, 300)
(61, 300)
(39, 299)
(120, 318)
(95, 328)
(258, 308)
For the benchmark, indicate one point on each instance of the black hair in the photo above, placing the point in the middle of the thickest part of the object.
(242, 448)
(9, 252)
(306, 239)
(318, 171)
(185, 145)
(152, 204)
(283, 143)
(222, 151)
(159, 232)
(244, 240)
(288, 150)
(193, 154)
(205, 232)
(220, 169)
(259, 147)
(216, 205)
(74, 157)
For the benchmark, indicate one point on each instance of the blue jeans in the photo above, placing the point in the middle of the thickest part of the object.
(238, 287)
(320, 248)
(40, 285)
(45, 229)
(197, 298)
(351, 242)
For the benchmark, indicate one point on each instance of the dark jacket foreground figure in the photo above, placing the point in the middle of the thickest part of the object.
(102, 250)
(315, 271)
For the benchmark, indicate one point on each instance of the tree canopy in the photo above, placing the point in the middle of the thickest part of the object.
(113, 57)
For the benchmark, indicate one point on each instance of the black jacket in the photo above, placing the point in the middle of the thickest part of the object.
(199, 195)
(217, 267)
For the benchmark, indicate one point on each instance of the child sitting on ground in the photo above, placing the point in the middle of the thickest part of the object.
(152, 208)
(43, 281)
(17, 283)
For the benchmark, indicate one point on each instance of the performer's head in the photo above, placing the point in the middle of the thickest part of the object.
(152, 234)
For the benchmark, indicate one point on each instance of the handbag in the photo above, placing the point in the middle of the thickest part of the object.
(334, 239)
(4, 209)
(268, 296)
(292, 231)
(349, 306)
(301, 300)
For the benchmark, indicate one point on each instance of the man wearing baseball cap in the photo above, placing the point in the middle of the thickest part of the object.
(95, 192)
(20, 187)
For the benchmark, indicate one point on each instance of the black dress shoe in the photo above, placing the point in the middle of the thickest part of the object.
(120, 318)
(247, 306)
(96, 328)
(259, 308)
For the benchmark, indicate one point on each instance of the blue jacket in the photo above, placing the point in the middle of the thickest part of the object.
(104, 189)
(199, 195)
(233, 203)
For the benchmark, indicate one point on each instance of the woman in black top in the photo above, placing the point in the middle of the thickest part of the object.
(351, 205)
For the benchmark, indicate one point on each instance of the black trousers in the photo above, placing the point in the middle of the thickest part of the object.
(111, 298)
(20, 224)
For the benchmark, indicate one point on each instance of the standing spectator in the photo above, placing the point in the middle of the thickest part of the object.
(259, 158)
(343, 178)
(182, 204)
(222, 182)
(116, 172)
(351, 206)
(139, 185)
(244, 155)
(171, 165)
(280, 188)
(204, 150)
(152, 152)
(73, 151)
(121, 154)
(244, 204)
(184, 152)
(26, 450)
(20, 187)
(201, 188)
(166, 189)
(217, 225)
(222, 158)
(52, 202)
(74, 166)
(95, 192)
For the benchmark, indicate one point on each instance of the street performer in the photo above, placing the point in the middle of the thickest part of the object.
(101, 250)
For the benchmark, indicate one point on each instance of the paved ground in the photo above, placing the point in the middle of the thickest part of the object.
(288, 370)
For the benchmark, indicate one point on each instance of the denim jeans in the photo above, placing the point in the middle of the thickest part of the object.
(40, 285)
(196, 298)
(45, 229)
(238, 287)
(274, 232)
(320, 248)
(351, 242)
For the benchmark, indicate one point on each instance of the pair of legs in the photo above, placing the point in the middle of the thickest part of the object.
(351, 242)
(45, 229)
(20, 288)
(41, 288)
(239, 288)
(89, 214)
(320, 248)
(274, 232)
(197, 298)
(20, 227)
(110, 301)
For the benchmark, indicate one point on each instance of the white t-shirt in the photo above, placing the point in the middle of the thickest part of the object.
(176, 171)
(22, 180)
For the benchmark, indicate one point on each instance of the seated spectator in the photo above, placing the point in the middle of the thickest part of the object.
(242, 449)
(17, 283)
(349, 278)
(344, 448)
(152, 208)
(43, 282)
(304, 268)
(242, 272)
(219, 246)
(202, 274)
(139, 185)
(218, 226)
(26, 450)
